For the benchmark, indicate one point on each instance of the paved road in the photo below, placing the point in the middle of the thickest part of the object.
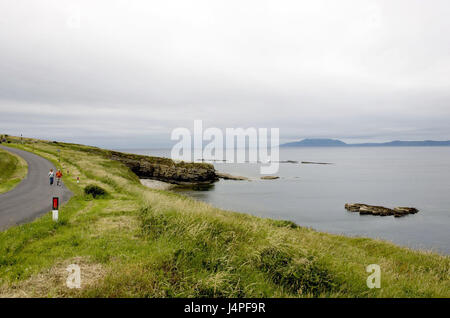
(33, 196)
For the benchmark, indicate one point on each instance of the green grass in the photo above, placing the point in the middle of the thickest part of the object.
(138, 242)
(13, 169)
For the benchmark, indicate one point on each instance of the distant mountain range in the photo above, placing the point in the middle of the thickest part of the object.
(338, 143)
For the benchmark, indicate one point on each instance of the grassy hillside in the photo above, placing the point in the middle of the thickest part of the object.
(12, 170)
(137, 242)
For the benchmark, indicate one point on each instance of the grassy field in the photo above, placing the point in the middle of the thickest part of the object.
(138, 242)
(13, 169)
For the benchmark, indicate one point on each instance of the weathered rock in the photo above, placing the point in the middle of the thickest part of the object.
(167, 170)
(353, 207)
(369, 209)
(316, 163)
(227, 176)
(379, 210)
(402, 210)
(269, 177)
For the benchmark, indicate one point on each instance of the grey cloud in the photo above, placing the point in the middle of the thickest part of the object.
(360, 69)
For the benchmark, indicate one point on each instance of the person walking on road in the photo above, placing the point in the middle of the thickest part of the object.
(51, 176)
(58, 177)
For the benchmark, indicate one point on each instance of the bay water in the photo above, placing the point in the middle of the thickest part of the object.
(314, 195)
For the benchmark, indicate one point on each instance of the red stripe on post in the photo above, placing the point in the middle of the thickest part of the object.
(55, 203)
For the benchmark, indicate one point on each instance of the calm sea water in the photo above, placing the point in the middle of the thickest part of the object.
(314, 195)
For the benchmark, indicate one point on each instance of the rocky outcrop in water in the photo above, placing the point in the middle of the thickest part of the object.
(379, 210)
(167, 170)
(403, 210)
(227, 176)
(316, 163)
(270, 177)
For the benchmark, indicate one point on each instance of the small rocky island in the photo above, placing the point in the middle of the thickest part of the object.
(269, 178)
(379, 210)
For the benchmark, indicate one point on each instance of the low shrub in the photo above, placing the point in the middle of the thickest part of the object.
(305, 275)
(153, 224)
(285, 223)
(95, 191)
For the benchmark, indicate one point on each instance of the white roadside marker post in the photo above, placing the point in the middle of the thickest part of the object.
(55, 208)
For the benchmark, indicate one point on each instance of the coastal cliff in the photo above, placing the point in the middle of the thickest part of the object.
(167, 170)
(145, 167)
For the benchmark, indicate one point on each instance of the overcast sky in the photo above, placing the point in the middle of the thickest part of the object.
(125, 73)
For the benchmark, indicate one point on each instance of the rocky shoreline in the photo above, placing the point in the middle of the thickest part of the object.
(379, 210)
(167, 170)
(151, 170)
(227, 176)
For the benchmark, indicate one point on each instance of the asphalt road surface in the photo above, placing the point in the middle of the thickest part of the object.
(33, 196)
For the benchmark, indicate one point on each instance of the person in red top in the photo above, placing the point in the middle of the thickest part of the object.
(58, 177)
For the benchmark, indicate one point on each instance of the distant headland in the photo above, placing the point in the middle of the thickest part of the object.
(339, 143)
